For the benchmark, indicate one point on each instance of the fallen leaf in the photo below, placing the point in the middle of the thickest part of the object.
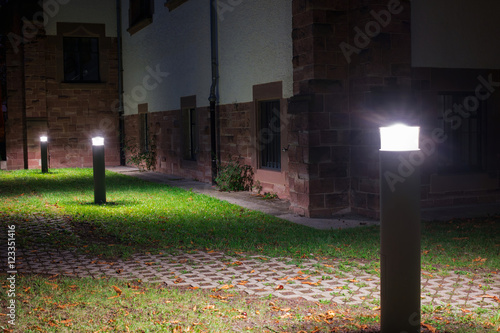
(240, 317)
(118, 290)
(242, 283)
(226, 286)
(54, 286)
(311, 283)
(429, 327)
(489, 296)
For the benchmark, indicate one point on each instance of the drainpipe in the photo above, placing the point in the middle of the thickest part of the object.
(121, 120)
(213, 95)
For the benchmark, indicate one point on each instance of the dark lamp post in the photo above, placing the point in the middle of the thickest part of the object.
(399, 230)
(99, 170)
(43, 149)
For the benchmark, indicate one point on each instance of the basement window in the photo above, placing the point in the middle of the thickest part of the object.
(269, 135)
(144, 133)
(189, 130)
(464, 149)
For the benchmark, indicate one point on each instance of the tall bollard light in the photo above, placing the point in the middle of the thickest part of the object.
(99, 170)
(43, 149)
(399, 230)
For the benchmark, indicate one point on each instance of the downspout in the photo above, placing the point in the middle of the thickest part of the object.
(19, 32)
(121, 120)
(213, 95)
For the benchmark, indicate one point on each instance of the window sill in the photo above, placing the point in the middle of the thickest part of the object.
(271, 176)
(82, 85)
(140, 25)
(172, 4)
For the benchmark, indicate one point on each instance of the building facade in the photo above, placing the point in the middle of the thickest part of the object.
(297, 89)
(61, 81)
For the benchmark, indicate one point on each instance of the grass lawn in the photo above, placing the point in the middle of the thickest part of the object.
(61, 304)
(142, 216)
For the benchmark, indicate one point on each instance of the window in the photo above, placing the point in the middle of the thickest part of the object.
(189, 128)
(269, 134)
(81, 59)
(172, 4)
(140, 14)
(465, 129)
(144, 133)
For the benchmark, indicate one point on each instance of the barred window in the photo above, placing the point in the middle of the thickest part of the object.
(270, 134)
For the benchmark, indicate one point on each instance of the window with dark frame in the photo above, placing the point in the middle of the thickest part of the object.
(190, 144)
(144, 133)
(464, 148)
(81, 59)
(269, 134)
(140, 10)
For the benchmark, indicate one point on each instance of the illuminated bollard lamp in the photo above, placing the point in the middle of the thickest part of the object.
(99, 170)
(399, 230)
(44, 153)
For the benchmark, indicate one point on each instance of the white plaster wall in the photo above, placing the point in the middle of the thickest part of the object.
(255, 46)
(80, 11)
(456, 33)
(177, 43)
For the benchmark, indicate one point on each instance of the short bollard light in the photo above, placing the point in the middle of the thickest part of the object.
(399, 230)
(99, 170)
(44, 153)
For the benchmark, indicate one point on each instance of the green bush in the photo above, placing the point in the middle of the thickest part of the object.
(233, 176)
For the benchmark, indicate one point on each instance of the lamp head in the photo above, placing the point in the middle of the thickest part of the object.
(43, 138)
(98, 141)
(399, 137)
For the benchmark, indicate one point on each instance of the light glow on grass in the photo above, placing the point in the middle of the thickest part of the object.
(144, 216)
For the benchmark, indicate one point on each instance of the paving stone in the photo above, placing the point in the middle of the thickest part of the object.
(264, 276)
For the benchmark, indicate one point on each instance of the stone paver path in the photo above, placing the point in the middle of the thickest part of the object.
(312, 280)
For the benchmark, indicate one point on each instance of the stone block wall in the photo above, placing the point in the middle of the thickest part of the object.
(350, 58)
(235, 141)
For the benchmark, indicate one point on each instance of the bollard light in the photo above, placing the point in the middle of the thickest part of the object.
(44, 153)
(99, 170)
(399, 230)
